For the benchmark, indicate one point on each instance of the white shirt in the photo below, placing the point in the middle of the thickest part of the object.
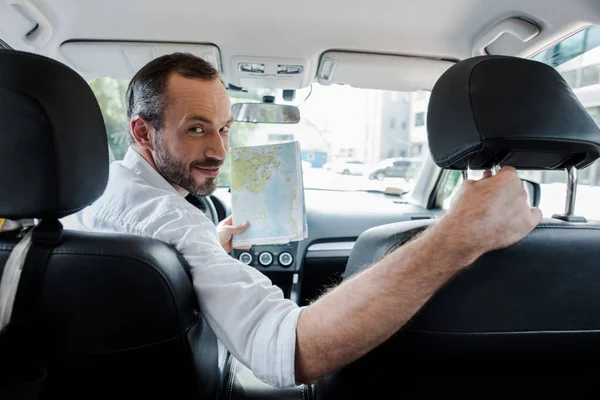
(249, 314)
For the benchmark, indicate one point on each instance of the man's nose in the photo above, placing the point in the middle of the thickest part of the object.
(216, 147)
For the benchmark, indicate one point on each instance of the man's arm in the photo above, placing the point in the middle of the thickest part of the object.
(366, 310)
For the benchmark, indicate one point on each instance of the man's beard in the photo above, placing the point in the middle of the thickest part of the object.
(180, 173)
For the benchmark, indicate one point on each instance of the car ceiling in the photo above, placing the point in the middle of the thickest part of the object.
(428, 28)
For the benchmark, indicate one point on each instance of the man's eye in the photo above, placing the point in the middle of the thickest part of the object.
(196, 129)
(225, 129)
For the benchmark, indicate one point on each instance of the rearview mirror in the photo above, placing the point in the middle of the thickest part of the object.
(265, 113)
(533, 192)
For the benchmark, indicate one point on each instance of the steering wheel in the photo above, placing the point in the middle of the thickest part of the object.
(209, 209)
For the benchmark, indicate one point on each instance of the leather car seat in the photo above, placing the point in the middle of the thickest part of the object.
(522, 322)
(101, 315)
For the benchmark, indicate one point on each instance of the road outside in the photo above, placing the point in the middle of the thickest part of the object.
(320, 178)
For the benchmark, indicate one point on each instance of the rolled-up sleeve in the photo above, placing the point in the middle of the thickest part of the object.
(249, 314)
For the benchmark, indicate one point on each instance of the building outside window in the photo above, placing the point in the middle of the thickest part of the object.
(420, 119)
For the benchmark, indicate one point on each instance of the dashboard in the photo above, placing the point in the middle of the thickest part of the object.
(277, 257)
(335, 220)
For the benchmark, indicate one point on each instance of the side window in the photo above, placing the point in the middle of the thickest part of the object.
(110, 94)
(577, 59)
(453, 181)
(451, 186)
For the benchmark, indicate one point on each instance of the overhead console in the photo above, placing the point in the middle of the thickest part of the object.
(357, 69)
(269, 73)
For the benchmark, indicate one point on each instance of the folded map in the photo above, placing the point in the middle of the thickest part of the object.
(268, 191)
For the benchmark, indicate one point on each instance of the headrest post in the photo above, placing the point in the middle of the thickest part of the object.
(465, 174)
(495, 168)
(571, 190)
(569, 214)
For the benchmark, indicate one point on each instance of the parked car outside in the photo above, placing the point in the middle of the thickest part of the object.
(399, 167)
(349, 167)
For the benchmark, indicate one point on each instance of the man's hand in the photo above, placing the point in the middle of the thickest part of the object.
(368, 308)
(490, 214)
(226, 230)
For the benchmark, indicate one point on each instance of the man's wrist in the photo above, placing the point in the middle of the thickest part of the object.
(458, 246)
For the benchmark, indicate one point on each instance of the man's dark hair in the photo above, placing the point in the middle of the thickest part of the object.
(146, 95)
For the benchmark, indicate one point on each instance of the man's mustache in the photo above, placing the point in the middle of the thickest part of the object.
(207, 163)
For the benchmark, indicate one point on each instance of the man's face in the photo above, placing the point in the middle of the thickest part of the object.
(193, 142)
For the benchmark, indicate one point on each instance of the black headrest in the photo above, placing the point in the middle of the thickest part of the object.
(511, 111)
(53, 146)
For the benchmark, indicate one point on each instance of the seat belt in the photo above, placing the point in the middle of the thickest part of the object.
(22, 372)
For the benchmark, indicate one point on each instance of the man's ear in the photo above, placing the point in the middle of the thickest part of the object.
(143, 132)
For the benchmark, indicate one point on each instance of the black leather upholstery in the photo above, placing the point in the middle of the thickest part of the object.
(119, 317)
(543, 293)
(511, 111)
(529, 310)
(242, 384)
(53, 147)
(374, 244)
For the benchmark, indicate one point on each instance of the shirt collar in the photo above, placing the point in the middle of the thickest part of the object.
(138, 164)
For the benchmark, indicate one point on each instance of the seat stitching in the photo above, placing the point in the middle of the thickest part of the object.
(232, 377)
(467, 148)
(585, 228)
(154, 267)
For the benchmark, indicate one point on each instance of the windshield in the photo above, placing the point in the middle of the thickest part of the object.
(350, 139)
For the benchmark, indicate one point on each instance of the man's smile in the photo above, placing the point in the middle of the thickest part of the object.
(208, 171)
